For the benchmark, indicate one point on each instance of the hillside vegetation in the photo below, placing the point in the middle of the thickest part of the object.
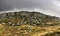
(25, 23)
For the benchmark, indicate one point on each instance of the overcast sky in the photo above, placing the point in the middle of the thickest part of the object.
(50, 7)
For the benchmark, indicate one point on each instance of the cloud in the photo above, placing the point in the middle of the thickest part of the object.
(48, 6)
(30, 4)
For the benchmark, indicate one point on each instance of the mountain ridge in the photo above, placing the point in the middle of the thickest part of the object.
(25, 23)
(32, 16)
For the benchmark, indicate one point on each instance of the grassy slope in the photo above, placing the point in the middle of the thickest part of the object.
(48, 25)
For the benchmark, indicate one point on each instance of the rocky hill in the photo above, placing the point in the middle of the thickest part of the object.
(25, 23)
(25, 17)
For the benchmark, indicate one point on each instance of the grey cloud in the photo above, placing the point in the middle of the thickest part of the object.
(4, 5)
(44, 4)
(29, 4)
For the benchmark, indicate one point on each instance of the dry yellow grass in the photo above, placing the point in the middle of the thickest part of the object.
(27, 31)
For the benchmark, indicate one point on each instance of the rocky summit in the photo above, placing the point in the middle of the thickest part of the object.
(25, 23)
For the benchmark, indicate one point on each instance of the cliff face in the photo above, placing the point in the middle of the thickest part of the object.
(27, 23)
